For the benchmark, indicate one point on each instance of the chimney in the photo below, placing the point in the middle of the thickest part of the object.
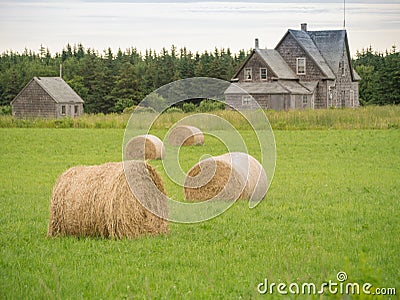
(60, 70)
(304, 27)
(257, 46)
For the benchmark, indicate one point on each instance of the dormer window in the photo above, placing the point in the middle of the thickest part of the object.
(263, 73)
(248, 74)
(301, 66)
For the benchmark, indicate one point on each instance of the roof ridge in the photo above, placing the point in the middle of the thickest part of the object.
(58, 89)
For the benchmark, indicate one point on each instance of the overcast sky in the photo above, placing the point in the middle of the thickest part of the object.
(198, 25)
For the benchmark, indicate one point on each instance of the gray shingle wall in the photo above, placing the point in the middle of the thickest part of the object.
(33, 101)
(345, 93)
(290, 50)
(38, 99)
(266, 101)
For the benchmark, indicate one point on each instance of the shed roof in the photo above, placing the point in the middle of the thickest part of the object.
(277, 64)
(297, 88)
(58, 89)
(256, 88)
(275, 87)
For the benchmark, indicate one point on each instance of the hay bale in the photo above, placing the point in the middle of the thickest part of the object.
(229, 176)
(96, 201)
(145, 146)
(185, 136)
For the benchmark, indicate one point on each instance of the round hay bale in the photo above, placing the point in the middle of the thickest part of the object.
(143, 147)
(96, 201)
(185, 136)
(230, 176)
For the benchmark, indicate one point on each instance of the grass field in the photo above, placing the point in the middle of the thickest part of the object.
(333, 206)
(370, 117)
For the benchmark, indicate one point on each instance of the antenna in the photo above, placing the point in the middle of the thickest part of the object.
(344, 14)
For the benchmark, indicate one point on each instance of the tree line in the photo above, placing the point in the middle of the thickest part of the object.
(110, 82)
(380, 73)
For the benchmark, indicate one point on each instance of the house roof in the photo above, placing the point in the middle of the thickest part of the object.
(298, 88)
(277, 64)
(331, 44)
(256, 88)
(307, 43)
(58, 89)
(274, 87)
(309, 85)
(325, 48)
(274, 60)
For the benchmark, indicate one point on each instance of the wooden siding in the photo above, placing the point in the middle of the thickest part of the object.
(256, 63)
(69, 110)
(338, 91)
(33, 101)
(290, 50)
(345, 85)
(265, 101)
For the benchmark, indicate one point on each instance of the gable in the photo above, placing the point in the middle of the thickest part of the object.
(55, 87)
(290, 50)
(31, 85)
(244, 65)
(304, 41)
(270, 59)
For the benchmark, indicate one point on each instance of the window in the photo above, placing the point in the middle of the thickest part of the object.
(63, 109)
(76, 109)
(342, 68)
(247, 74)
(263, 73)
(301, 66)
(305, 100)
(246, 100)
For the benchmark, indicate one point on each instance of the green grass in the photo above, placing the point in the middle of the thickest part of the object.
(370, 117)
(333, 206)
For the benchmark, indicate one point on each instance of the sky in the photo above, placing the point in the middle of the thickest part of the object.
(197, 25)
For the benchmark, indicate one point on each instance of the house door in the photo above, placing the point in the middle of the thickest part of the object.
(292, 101)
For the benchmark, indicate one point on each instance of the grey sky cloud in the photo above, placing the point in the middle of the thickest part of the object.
(197, 25)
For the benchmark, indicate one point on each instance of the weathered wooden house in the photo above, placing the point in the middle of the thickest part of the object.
(48, 97)
(307, 69)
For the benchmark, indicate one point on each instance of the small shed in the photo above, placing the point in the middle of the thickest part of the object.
(48, 97)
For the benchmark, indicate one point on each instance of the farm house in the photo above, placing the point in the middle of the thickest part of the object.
(48, 97)
(307, 69)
